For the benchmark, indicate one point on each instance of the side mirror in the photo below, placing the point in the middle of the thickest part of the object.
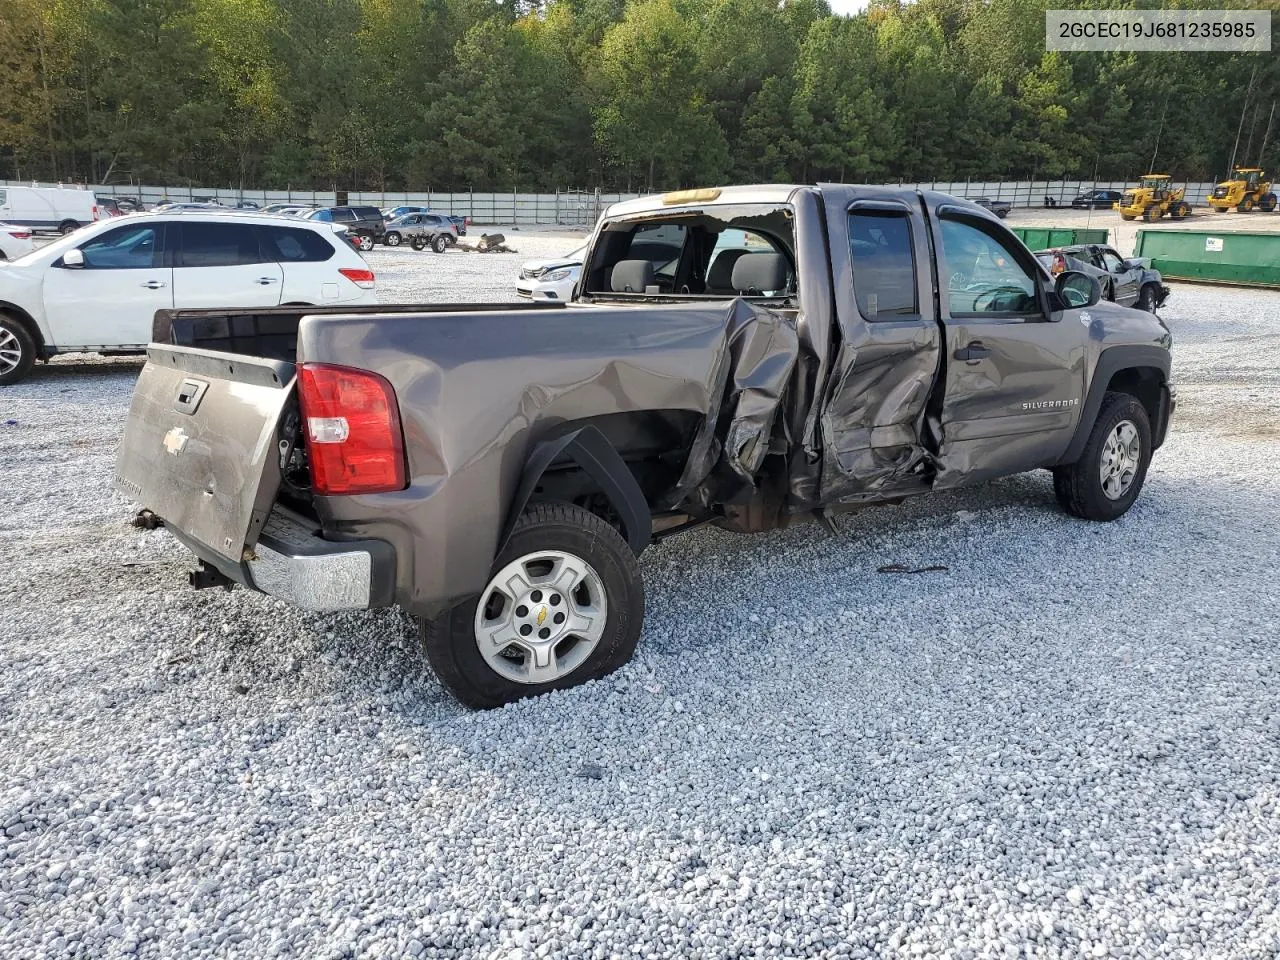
(1076, 289)
(1136, 263)
(73, 259)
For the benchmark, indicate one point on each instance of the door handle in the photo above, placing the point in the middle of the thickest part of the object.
(154, 284)
(974, 352)
(265, 281)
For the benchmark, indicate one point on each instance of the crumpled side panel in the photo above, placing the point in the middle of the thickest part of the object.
(875, 409)
(753, 375)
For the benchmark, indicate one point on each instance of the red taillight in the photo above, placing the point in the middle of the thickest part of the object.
(95, 213)
(20, 234)
(352, 424)
(361, 278)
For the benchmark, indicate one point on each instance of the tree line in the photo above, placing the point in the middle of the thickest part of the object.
(620, 94)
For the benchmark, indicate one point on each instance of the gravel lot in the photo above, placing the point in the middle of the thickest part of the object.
(1063, 746)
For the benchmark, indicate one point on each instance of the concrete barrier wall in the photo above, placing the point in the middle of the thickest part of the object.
(581, 208)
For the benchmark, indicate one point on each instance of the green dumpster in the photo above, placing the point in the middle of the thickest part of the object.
(1222, 257)
(1042, 238)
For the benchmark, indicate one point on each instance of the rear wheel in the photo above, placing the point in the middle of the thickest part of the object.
(365, 242)
(1126, 216)
(392, 239)
(68, 226)
(1267, 203)
(563, 606)
(1108, 477)
(440, 244)
(17, 351)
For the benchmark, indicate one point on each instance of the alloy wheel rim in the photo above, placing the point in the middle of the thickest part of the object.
(10, 351)
(1121, 454)
(540, 617)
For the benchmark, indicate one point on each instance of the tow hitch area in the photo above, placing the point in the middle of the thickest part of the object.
(204, 577)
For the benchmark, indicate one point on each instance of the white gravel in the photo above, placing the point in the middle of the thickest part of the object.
(1063, 746)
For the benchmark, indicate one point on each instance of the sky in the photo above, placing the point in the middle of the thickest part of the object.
(847, 6)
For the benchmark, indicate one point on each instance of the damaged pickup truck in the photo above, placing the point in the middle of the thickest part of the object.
(746, 356)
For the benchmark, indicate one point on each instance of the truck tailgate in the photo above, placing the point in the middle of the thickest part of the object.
(200, 448)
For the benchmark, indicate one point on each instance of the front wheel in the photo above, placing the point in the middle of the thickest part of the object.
(1147, 298)
(418, 243)
(440, 244)
(1126, 216)
(17, 351)
(392, 239)
(1151, 214)
(1108, 477)
(563, 605)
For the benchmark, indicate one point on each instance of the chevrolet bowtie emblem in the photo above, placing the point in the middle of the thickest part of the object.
(175, 441)
(542, 616)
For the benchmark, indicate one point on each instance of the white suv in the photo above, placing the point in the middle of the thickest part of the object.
(97, 290)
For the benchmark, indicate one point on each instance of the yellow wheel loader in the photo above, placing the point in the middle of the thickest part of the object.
(1248, 188)
(1152, 198)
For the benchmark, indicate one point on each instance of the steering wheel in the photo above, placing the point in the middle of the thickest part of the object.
(991, 296)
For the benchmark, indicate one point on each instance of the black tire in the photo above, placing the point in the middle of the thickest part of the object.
(15, 337)
(1126, 216)
(1267, 203)
(440, 244)
(68, 226)
(392, 239)
(1151, 214)
(450, 639)
(365, 242)
(1147, 298)
(1078, 486)
(418, 243)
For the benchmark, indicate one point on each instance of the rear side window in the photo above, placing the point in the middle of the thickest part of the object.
(366, 213)
(325, 215)
(884, 265)
(218, 245)
(292, 245)
(342, 214)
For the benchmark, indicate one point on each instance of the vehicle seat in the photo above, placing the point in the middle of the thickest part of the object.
(631, 276)
(756, 273)
(720, 276)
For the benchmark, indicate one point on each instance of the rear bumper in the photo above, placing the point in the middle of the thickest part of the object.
(292, 562)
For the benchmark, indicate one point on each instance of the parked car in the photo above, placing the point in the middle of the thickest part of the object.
(422, 230)
(1128, 282)
(211, 201)
(364, 222)
(14, 241)
(49, 209)
(246, 205)
(551, 279)
(172, 206)
(97, 290)
(496, 469)
(1097, 199)
(128, 204)
(108, 207)
(461, 223)
(1000, 208)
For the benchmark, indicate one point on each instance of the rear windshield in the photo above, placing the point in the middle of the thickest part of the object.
(745, 250)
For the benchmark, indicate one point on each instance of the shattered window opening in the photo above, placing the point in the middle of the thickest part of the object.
(743, 250)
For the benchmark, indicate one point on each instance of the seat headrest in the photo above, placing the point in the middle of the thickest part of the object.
(760, 271)
(631, 276)
(720, 276)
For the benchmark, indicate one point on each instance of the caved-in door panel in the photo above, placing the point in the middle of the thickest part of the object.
(888, 357)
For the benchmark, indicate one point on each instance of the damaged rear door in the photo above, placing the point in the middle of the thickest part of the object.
(889, 341)
(200, 445)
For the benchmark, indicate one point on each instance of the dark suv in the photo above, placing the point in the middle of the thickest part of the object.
(363, 223)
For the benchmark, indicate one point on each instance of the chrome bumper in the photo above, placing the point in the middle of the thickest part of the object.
(292, 562)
